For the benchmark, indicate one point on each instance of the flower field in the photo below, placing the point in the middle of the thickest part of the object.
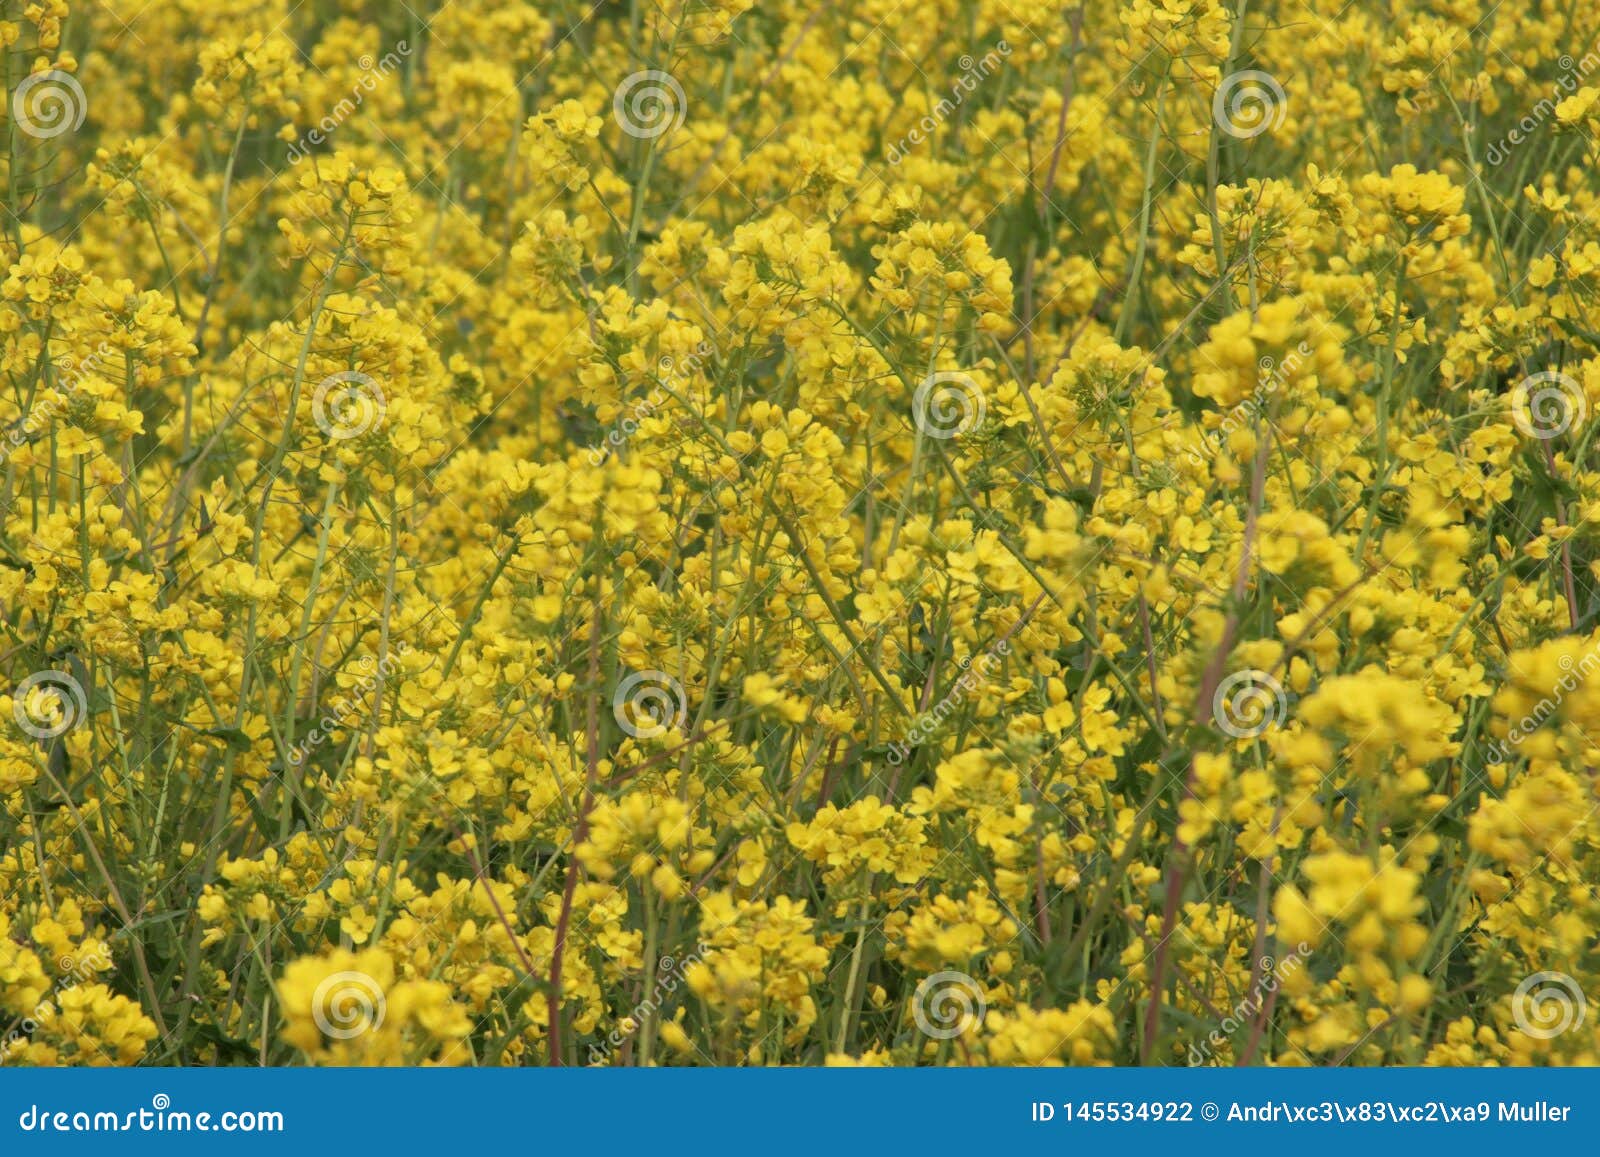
(681, 532)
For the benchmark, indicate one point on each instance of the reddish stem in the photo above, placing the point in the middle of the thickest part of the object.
(580, 832)
(1208, 689)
